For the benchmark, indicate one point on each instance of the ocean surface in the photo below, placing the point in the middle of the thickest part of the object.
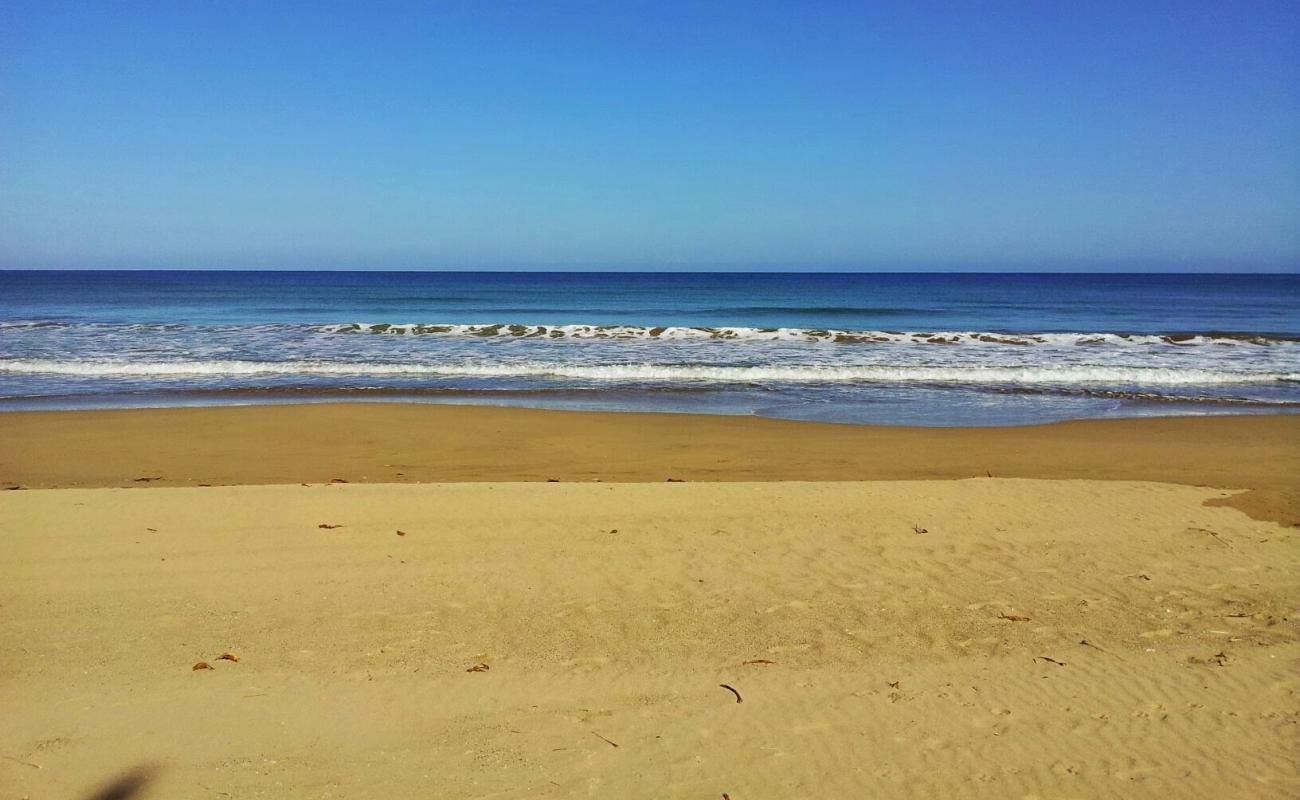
(914, 349)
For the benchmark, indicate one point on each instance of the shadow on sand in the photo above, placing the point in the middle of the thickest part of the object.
(128, 786)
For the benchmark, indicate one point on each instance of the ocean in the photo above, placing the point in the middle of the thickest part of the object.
(884, 348)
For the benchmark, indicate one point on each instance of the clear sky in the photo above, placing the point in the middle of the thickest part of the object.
(866, 135)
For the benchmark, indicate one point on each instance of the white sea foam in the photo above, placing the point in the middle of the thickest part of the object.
(679, 333)
(760, 374)
(682, 333)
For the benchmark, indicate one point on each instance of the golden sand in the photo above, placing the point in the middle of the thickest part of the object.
(987, 637)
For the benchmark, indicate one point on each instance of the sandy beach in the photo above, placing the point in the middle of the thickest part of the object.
(695, 607)
(649, 401)
(416, 443)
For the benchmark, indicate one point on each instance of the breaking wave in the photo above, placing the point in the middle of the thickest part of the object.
(679, 332)
(757, 374)
(684, 333)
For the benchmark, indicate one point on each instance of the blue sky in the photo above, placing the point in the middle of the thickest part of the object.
(650, 135)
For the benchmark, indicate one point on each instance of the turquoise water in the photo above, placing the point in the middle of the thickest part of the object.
(939, 349)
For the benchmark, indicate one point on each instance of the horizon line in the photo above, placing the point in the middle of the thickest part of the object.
(1283, 270)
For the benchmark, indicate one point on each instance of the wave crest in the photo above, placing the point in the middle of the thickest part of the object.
(811, 373)
(491, 330)
(742, 333)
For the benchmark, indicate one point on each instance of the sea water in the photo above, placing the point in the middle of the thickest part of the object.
(890, 348)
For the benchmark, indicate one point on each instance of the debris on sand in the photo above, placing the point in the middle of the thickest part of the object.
(1012, 617)
(479, 667)
(201, 665)
(1087, 643)
(328, 527)
(227, 656)
(1215, 534)
(732, 689)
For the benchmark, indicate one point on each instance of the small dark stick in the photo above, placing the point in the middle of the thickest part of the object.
(732, 689)
(606, 741)
(1087, 643)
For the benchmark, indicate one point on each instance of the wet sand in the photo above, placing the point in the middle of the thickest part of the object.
(405, 443)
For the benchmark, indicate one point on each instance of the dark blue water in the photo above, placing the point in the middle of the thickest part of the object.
(998, 302)
(889, 348)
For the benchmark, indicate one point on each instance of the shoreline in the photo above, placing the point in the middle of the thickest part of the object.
(297, 395)
(431, 443)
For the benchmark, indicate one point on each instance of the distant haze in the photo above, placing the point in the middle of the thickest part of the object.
(650, 135)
